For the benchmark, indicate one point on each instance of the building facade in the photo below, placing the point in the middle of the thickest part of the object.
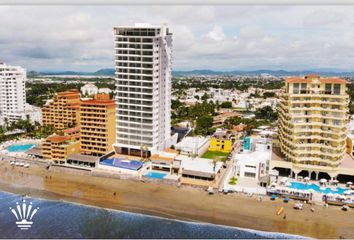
(58, 148)
(63, 110)
(97, 125)
(313, 123)
(221, 141)
(13, 96)
(143, 76)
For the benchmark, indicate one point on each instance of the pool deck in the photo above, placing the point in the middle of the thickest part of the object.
(346, 167)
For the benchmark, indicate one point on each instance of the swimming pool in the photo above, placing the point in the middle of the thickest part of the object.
(157, 175)
(122, 163)
(303, 186)
(20, 147)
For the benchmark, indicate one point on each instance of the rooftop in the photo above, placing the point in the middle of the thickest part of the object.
(83, 158)
(140, 25)
(200, 165)
(311, 77)
(192, 142)
(71, 130)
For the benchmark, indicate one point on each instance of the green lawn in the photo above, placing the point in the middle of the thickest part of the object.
(211, 155)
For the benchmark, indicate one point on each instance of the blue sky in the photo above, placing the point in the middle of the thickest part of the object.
(226, 37)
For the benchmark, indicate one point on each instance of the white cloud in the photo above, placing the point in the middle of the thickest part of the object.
(214, 37)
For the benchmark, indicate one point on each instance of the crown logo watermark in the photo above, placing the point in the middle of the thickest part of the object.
(24, 214)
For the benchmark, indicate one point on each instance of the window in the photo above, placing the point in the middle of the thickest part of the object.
(303, 87)
(336, 89)
(328, 89)
(296, 88)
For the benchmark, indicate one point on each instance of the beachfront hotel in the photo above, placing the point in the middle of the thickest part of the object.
(313, 125)
(143, 77)
(58, 148)
(97, 125)
(62, 111)
(13, 96)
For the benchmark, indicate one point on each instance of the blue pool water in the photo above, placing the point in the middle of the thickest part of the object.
(157, 175)
(20, 147)
(122, 163)
(303, 186)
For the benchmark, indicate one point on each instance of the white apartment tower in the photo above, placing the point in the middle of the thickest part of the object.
(12, 91)
(13, 104)
(143, 77)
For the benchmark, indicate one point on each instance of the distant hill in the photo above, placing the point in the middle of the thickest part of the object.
(101, 72)
(105, 72)
(111, 72)
(258, 72)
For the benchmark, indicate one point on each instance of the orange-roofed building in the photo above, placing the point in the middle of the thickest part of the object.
(97, 125)
(63, 110)
(58, 148)
(239, 128)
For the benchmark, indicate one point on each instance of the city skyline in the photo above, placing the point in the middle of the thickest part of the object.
(207, 37)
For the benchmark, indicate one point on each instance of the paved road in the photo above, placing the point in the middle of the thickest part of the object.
(230, 166)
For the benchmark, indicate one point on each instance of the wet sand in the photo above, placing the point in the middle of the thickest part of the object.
(184, 203)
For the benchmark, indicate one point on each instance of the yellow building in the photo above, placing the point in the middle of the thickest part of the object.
(62, 111)
(58, 148)
(97, 125)
(221, 141)
(313, 124)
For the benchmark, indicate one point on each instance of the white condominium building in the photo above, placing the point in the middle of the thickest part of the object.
(13, 95)
(143, 77)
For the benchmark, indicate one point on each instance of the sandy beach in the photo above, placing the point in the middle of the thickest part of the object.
(184, 203)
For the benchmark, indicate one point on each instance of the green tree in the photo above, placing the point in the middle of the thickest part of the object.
(205, 97)
(175, 104)
(226, 105)
(2, 135)
(266, 113)
(204, 124)
(268, 94)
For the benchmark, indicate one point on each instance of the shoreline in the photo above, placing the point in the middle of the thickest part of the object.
(185, 203)
(190, 221)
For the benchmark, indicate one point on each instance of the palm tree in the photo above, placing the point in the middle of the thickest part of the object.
(143, 151)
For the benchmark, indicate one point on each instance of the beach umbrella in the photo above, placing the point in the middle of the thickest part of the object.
(341, 197)
(210, 190)
(348, 192)
(284, 179)
(288, 184)
(329, 194)
(307, 179)
(335, 181)
(349, 183)
(323, 180)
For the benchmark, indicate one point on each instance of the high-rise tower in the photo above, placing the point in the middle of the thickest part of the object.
(143, 77)
(313, 122)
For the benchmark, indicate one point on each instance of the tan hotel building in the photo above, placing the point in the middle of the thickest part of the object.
(312, 122)
(62, 111)
(58, 148)
(94, 130)
(97, 125)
